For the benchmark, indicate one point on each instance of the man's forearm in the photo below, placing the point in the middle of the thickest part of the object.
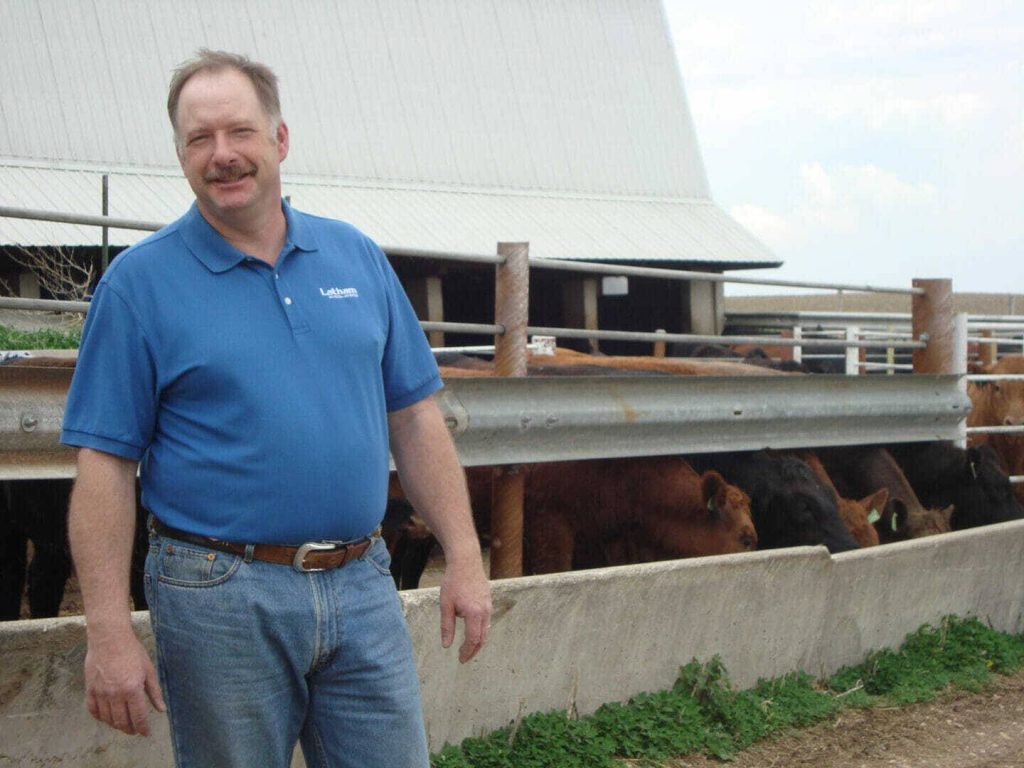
(432, 478)
(101, 527)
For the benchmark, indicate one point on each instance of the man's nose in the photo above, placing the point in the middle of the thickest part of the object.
(223, 152)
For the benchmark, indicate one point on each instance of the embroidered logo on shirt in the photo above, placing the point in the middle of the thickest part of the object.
(339, 293)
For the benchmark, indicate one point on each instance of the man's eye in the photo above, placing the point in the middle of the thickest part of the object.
(193, 140)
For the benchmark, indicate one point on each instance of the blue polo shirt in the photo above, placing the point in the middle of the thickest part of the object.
(255, 397)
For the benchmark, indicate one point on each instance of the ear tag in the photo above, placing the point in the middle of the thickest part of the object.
(874, 517)
(711, 505)
(974, 470)
(894, 524)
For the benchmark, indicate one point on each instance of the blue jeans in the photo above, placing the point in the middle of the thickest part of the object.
(255, 656)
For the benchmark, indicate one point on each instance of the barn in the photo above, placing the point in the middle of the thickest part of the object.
(448, 127)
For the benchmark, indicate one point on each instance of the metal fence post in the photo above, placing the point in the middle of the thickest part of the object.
(105, 205)
(852, 355)
(511, 310)
(933, 322)
(988, 352)
(960, 366)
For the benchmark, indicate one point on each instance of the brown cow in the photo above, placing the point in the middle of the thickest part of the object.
(568, 361)
(859, 516)
(857, 469)
(1001, 404)
(614, 512)
(667, 365)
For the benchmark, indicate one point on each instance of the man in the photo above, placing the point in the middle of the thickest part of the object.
(256, 363)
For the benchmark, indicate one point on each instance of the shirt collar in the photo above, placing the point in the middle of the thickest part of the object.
(218, 255)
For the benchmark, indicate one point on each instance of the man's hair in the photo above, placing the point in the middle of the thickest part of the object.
(262, 77)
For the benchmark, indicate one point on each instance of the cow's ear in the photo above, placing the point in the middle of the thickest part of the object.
(711, 484)
(875, 503)
(947, 514)
(973, 459)
(896, 512)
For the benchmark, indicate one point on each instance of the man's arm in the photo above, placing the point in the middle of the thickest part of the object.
(433, 480)
(101, 526)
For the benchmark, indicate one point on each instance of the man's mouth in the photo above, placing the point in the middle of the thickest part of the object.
(229, 175)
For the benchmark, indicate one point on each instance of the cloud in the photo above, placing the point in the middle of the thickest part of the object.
(841, 202)
(771, 228)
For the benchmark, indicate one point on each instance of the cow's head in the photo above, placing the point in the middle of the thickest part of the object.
(798, 510)
(1004, 400)
(859, 516)
(728, 510)
(899, 522)
(690, 515)
(981, 491)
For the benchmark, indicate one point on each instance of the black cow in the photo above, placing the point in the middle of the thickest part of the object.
(789, 505)
(409, 542)
(972, 480)
(36, 511)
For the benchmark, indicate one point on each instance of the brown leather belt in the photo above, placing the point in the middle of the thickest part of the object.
(311, 556)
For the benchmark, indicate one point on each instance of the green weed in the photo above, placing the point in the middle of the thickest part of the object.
(11, 339)
(703, 713)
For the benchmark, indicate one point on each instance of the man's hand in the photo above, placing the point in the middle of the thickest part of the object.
(119, 675)
(465, 592)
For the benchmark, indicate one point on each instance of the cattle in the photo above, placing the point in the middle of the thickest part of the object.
(567, 362)
(666, 365)
(789, 505)
(616, 512)
(409, 542)
(1001, 404)
(33, 511)
(857, 470)
(971, 480)
(36, 511)
(858, 515)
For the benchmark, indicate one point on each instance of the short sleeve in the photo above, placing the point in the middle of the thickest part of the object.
(409, 369)
(111, 405)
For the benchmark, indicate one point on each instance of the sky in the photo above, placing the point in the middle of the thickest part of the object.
(864, 142)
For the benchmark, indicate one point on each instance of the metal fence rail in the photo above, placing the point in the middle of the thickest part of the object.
(518, 420)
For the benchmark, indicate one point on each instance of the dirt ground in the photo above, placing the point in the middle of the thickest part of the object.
(982, 730)
(960, 730)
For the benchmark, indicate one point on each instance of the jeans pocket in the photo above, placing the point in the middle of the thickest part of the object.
(379, 557)
(182, 565)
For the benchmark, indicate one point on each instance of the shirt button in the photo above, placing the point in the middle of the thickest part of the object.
(277, 276)
(287, 300)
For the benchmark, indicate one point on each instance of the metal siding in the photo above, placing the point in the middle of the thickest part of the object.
(581, 227)
(442, 123)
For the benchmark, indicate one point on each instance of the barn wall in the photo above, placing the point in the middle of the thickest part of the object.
(578, 640)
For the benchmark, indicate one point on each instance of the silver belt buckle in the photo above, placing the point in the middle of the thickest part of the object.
(298, 562)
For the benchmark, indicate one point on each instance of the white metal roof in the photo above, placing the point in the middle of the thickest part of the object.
(433, 124)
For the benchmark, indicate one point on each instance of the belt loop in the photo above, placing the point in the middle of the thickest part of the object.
(249, 550)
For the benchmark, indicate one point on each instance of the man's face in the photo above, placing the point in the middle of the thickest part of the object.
(228, 149)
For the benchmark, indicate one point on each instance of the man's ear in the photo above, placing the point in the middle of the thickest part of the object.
(282, 141)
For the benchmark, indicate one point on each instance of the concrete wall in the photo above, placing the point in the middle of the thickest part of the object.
(574, 641)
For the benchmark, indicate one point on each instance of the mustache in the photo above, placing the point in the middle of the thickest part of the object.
(230, 173)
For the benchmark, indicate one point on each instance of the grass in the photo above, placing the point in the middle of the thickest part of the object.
(11, 339)
(703, 713)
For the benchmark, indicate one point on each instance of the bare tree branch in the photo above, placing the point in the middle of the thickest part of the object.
(57, 270)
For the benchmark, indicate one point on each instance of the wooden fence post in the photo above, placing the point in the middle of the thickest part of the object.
(933, 321)
(511, 303)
